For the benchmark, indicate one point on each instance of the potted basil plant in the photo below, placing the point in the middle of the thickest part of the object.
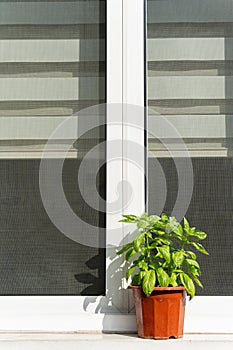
(163, 268)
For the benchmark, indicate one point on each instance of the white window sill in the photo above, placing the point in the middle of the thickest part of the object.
(74, 341)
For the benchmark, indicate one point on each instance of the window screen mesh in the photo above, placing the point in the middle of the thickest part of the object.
(52, 65)
(190, 83)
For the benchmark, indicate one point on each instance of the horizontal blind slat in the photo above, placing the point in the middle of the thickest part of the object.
(191, 126)
(47, 89)
(24, 128)
(52, 50)
(187, 49)
(188, 87)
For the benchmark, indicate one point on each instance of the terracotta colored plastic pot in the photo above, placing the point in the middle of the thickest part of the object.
(161, 315)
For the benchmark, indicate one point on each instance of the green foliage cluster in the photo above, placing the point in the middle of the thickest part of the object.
(162, 253)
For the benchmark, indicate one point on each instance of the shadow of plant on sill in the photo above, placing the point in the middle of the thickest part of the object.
(116, 297)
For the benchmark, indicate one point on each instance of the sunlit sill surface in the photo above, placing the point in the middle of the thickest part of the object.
(71, 341)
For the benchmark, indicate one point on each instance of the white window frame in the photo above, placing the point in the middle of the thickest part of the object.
(80, 313)
(125, 86)
(208, 314)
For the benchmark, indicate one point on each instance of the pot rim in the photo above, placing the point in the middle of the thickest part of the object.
(160, 288)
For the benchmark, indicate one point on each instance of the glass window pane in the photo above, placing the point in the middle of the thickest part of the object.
(190, 85)
(52, 66)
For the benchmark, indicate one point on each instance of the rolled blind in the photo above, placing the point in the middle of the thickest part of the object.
(190, 61)
(52, 65)
(190, 82)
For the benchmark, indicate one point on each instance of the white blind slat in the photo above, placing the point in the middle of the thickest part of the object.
(51, 50)
(174, 49)
(186, 87)
(191, 126)
(28, 128)
(47, 89)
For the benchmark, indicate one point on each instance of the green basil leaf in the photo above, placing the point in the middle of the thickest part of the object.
(129, 218)
(172, 280)
(148, 234)
(130, 271)
(192, 262)
(198, 282)
(144, 216)
(153, 219)
(148, 282)
(164, 218)
(174, 226)
(193, 255)
(142, 224)
(142, 265)
(178, 230)
(164, 252)
(158, 232)
(138, 241)
(158, 242)
(188, 284)
(186, 224)
(129, 254)
(161, 241)
(193, 270)
(160, 225)
(163, 277)
(178, 258)
(142, 274)
(199, 234)
(136, 280)
(199, 247)
(144, 251)
(125, 248)
(152, 266)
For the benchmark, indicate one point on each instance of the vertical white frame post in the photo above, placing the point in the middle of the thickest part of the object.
(207, 314)
(134, 157)
(80, 313)
(134, 100)
(125, 95)
(114, 150)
